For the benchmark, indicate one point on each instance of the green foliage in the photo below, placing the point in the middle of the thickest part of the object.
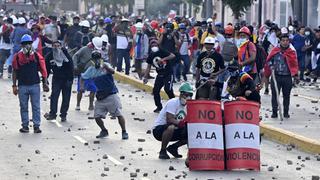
(238, 6)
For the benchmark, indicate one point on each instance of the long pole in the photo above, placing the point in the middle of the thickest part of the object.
(260, 13)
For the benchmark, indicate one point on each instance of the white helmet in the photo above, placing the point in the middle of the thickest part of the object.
(97, 42)
(21, 20)
(209, 20)
(210, 40)
(139, 26)
(125, 20)
(14, 20)
(291, 28)
(105, 38)
(284, 30)
(85, 23)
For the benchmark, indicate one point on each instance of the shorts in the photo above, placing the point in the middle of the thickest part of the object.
(178, 134)
(110, 104)
(88, 85)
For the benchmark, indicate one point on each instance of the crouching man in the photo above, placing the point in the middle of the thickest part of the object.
(107, 99)
(170, 125)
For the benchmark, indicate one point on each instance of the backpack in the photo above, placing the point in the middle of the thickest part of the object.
(85, 38)
(261, 57)
(6, 34)
(229, 51)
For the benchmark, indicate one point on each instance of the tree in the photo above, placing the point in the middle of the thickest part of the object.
(238, 6)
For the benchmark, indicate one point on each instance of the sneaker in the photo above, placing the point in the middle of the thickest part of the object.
(78, 108)
(286, 116)
(174, 151)
(103, 134)
(157, 110)
(125, 135)
(51, 117)
(37, 130)
(24, 129)
(163, 154)
(274, 115)
(63, 119)
(185, 78)
(91, 108)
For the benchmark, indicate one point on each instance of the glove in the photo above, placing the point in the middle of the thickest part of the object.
(182, 123)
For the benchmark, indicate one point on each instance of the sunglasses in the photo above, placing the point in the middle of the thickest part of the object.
(187, 94)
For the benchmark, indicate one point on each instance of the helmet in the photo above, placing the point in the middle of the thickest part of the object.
(154, 24)
(21, 20)
(209, 40)
(107, 20)
(97, 42)
(228, 29)
(125, 20)
(139, 26)
(182, 26)
(209, 20)
(284, 30)
(85, 23)
(105, 38)
(291, 28)
(186, 87)
(96, 55)
(245, 30)
(26, 38)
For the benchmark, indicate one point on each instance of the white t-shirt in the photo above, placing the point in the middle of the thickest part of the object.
(185, 44)
(122, 42)
(173, 106)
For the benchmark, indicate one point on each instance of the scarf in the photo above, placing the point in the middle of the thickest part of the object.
(290, 57)
(59, 57)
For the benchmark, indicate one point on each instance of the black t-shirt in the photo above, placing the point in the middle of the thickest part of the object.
(168, 42)
(71, 32)
(209, 64)
(162, 69)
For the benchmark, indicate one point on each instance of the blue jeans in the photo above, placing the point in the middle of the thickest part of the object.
(123, 53)
(186, 66)
(32, 92)
(302, 65)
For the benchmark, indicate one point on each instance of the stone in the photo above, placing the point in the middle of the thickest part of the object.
(137, 170)
(270, 168)
(122, 157)
(308, 158)
(86, 144)
(318, 158)
(133, 114)
(69, 129)
(178, 176)
(289, 162)
(130, 96)
(133, 175)
(314, 101)
(299, 157)
(298, 168)
(302, 165)
(315, 178)
(37, 151)
(148, 132)
(141, 140)
(264, 165)
(125, 168)
(145, 174)
(105, 156)
(96, 142)
(28, 160)
(90, 161)
(103, 175)
(133, 152)
(140, 149)
(136, 119)
(297, 105)
(171, 168)
(27, 174)
(19, 145)
(71, 158)
(155, 171)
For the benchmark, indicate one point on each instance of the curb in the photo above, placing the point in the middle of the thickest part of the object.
(269, 132)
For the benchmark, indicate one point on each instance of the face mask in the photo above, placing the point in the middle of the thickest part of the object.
(155, 49)
(307, 33)
(97, 64)
(183, 101)
(27, 49)
(85, 30)
(229, 39)
(241, 41)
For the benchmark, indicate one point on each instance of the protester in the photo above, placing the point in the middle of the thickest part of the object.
(209, 65)
(26, 64)
(61, 65)
(299, 44)
(185, 44)
(107, 99)
(5, 44)
(141, 48)
(170, 125)
(283, 61)
(69, 39)
(162, 61)
(81, 62)
(83, 37)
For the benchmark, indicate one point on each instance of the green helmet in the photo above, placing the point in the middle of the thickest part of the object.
(186, 87)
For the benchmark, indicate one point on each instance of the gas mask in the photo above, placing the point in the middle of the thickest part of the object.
(97, 63)
(27, 49)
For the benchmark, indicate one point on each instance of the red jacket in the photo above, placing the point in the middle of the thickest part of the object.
(290, 57)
